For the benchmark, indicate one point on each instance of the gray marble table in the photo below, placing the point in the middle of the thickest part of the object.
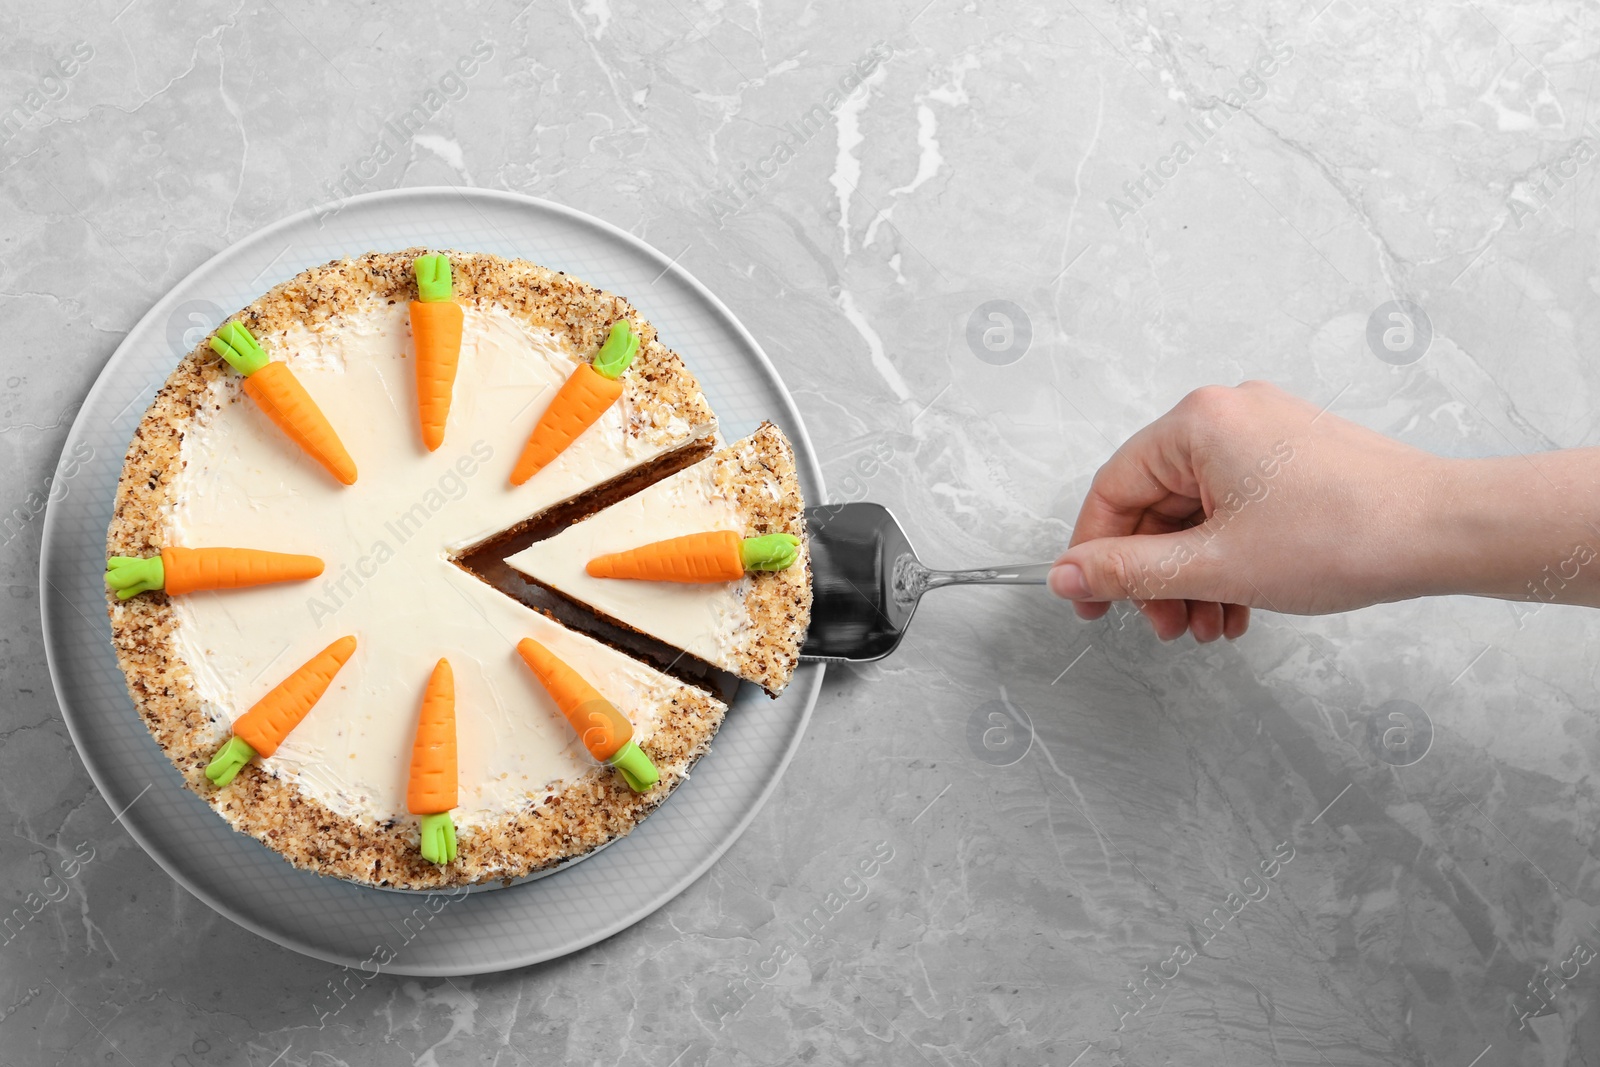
(983, 242)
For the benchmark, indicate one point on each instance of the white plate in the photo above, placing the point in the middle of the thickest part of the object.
(325, 917)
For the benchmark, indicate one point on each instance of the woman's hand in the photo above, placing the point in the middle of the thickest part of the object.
(1249, 497)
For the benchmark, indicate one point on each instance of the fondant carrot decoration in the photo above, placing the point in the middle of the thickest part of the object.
(436, 328)
(604, 731)
(259, 731)
(713, 556)
(431, 791)
(285, 401)
(580, 402)
(184, 570)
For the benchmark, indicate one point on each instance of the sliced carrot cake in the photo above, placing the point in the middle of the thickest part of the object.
(284, 591)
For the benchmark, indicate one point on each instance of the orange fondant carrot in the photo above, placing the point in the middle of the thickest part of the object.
(432, 787)
(189, 569)
(184, 570)
(579, 403)
(583, 398)
(436, 329)
(285, 401)
(604, 731)
(602, 728)
(267, 723)
(712, 556)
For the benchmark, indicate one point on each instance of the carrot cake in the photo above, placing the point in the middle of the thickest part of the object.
(335, 428)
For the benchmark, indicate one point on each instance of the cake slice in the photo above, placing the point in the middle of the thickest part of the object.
(750, 624)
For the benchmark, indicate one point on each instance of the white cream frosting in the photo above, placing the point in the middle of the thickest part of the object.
(703, 620)
(387, 542)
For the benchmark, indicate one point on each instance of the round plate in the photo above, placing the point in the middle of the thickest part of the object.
(333, 920)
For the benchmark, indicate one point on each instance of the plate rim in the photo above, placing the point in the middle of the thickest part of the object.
(806, 454)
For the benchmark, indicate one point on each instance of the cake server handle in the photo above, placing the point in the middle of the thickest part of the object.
(912, 578)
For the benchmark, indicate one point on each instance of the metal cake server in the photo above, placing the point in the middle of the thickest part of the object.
(866, 581)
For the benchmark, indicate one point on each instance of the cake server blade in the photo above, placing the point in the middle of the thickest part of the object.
(866, 581)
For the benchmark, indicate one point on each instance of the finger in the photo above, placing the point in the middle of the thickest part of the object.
(1169, 618)
(1235, 621)
(1182, 565)
(1089, 610)
(1147, 471)
(1164, 517)
(1154, 521)
(1205, 620)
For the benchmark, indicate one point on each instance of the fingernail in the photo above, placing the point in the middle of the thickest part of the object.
(1067, 582)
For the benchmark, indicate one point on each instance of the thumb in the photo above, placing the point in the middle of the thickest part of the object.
(1184, 565)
